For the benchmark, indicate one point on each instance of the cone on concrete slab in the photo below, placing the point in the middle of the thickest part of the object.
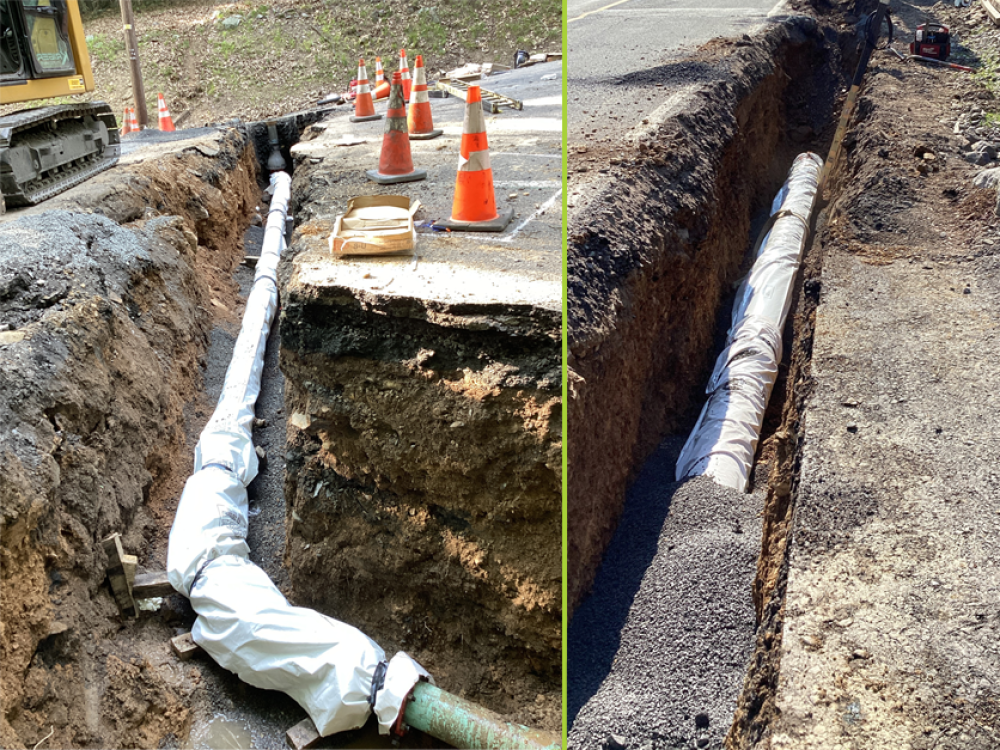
(364, 107)
(133, 123)
(381, 85)
(126, 122)
(419, 119)
(395, 163)
(166, 123)
(404, 71)
(474, 208)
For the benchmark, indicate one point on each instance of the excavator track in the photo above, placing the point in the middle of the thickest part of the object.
(48, 150)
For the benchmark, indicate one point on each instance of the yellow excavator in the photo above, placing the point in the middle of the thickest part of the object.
(45, 150)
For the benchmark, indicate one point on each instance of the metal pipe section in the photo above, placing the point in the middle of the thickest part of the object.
(463, 724)
(335, 672)
(724, 439)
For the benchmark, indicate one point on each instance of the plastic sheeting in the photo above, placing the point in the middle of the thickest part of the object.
(244, 622)
(724, 439)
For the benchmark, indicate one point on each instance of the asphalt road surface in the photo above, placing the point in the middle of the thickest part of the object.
(620, 55)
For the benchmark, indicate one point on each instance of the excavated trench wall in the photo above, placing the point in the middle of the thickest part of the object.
(423, 479)
(645, 294)
(107, 296)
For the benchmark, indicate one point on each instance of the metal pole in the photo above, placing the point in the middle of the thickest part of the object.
(462, 723)
(132, 45)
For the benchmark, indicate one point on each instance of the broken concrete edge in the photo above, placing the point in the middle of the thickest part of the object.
(620, 275)
(517, 321)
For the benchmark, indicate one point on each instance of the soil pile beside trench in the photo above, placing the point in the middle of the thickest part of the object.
(106, 318)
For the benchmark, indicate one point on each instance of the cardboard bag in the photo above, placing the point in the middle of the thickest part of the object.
(375, 225)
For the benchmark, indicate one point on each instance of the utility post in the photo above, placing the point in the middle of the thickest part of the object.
(132, 45)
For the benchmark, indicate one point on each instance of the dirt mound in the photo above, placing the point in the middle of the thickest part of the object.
(94, 379)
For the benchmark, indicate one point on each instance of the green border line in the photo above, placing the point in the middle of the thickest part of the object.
(565, 371)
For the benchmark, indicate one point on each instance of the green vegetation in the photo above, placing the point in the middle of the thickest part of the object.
(988, 75)
(426, 35)
(103, 47)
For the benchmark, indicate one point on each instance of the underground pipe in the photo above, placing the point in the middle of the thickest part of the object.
(724, 439)
(461, 723)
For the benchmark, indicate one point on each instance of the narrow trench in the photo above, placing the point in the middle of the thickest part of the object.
(685, 555)
(229, 714)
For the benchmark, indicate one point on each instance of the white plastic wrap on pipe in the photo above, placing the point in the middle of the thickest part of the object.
(724, 439)
(244, 622)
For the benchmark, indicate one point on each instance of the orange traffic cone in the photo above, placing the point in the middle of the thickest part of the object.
(166, 124)
(474, 208)
(395, 164)
(364, 108)
(419, 120)
(133, 123)
(404, 70)
(381, 85)
(126, 123)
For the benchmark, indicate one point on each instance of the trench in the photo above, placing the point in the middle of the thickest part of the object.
(695, 568)
(113, 353)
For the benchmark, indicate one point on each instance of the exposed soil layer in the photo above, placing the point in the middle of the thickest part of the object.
(423, 481)
(652, 255)
(106, 319)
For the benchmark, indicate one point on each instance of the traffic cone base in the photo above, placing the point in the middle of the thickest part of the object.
(493, 225)
(425, 136)
(355, 118)
(389, 179)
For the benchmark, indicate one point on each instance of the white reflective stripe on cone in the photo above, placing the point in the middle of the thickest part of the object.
(477, 160)
(475, 121)
(419, 97)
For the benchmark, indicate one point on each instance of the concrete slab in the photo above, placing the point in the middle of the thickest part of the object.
(526, 156)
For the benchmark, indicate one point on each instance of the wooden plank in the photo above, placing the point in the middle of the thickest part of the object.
(120, 586)
(184, 646)
(303, 735)
(151, 585)
(130, 562)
